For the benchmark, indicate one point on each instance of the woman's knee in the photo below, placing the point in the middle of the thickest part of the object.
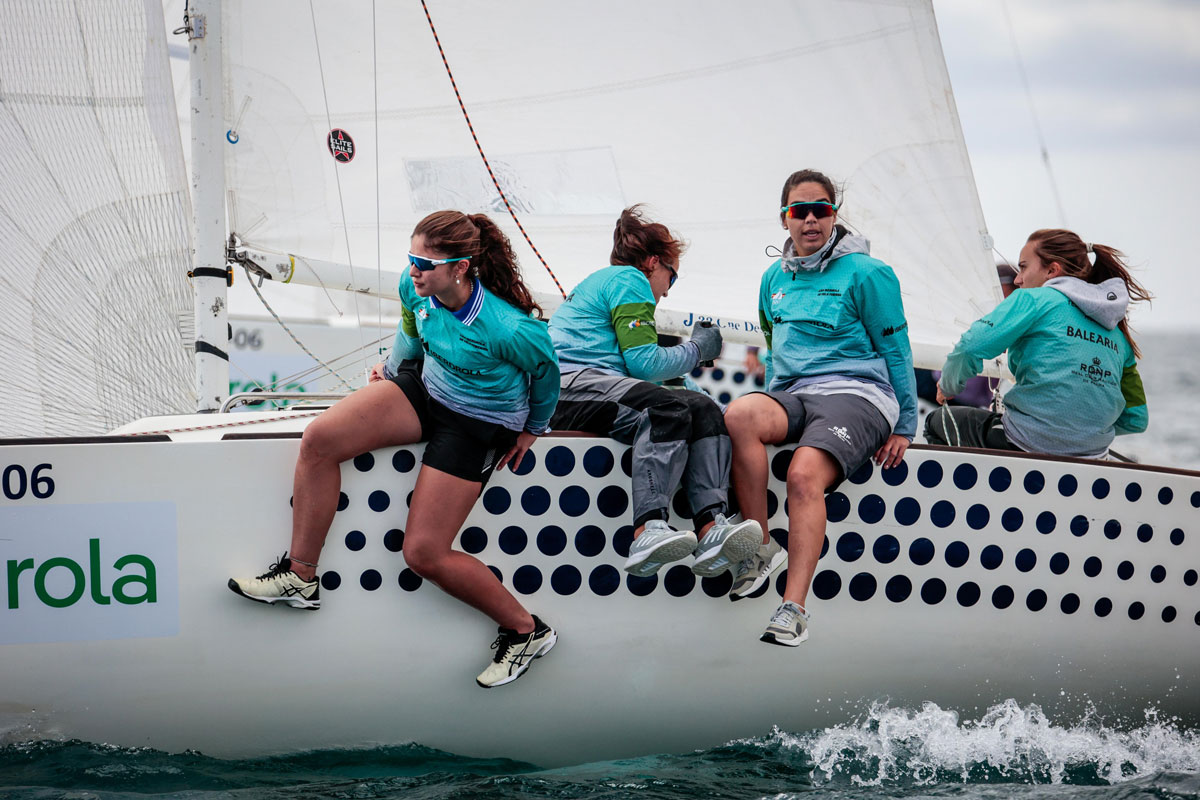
(422, 557)
(321, 441)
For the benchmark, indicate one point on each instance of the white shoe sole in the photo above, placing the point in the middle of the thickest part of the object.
(545, 648)
(769, 638)
(294, 602)
(775, 563)
(652, 560)
(742, 542)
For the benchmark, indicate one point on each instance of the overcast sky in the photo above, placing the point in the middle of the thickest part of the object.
(1116, 89)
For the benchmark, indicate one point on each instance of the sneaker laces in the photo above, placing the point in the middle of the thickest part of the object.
(284, 564)
(784, 616)
(503, 642)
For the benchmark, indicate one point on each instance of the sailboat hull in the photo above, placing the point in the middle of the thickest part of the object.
(950, 580)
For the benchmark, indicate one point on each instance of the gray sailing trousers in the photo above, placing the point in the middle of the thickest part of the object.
(676, 435)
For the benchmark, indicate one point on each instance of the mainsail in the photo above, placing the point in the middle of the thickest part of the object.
(700, 110)
(93, 221)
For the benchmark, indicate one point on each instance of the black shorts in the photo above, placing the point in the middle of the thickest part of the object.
(846, 426)
(462, 446)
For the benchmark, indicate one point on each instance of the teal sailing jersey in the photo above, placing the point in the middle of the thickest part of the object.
(607, 323)
(496, 363)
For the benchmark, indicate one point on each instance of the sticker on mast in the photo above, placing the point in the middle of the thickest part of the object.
(341, 146)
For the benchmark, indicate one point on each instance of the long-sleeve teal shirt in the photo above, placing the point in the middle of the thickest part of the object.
(1077, 383)
(496, 364)
(607, 323)
(847, 321)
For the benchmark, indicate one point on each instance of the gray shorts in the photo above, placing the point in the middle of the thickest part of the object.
(846, 426)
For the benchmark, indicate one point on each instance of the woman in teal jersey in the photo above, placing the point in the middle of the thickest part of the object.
(840, 385)
(612, 364)
(473, 374)
(1069, 348)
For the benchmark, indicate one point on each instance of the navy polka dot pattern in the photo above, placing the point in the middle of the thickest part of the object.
(1014, 535)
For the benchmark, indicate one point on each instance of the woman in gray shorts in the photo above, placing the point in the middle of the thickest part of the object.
(840, 385)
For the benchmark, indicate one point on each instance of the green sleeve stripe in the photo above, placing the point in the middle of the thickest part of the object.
(1131, 387)
(765, 323)
(634, 325)
(408, 322)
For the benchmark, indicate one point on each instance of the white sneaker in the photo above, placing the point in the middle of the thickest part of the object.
(515, 652)
(280, 585)
(659, 544)
(788, 627)
(725, 544)
(752, 573)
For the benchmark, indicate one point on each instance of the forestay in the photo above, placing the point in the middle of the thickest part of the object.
(93, 221)
(699, 109)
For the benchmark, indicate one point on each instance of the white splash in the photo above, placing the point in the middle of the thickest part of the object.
(932, 744)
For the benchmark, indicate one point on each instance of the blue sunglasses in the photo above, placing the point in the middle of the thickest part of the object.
(426, 264)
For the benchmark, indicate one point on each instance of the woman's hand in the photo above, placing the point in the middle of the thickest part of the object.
(516, 455)
(941, 396)
(892, 452)
(376, 373)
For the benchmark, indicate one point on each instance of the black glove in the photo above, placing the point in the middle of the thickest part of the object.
(709, 342)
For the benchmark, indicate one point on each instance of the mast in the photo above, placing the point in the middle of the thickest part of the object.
(209, 273)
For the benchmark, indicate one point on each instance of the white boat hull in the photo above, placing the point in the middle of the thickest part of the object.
(667, 667)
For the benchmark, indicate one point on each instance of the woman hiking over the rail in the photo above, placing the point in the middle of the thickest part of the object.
(480, 399)
(840, 386)
(612, 363)
(1069, 348)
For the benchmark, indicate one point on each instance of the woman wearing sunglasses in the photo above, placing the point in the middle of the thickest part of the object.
(612, 364)
(1068, 346)
(471, 373)
(840, 386)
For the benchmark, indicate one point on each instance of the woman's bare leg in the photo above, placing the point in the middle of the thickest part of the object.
(812, 471)
(440, 505)
(754, 421)
(377, 415)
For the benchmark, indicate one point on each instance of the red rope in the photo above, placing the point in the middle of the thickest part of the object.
(478, 147)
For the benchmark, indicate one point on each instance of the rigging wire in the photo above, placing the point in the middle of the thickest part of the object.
(1012, 36)
(336, 173)
(378, 213)
(479, 147)
(282, 324)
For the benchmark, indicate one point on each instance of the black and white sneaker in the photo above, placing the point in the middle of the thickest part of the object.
(280, 585)
(515, 652)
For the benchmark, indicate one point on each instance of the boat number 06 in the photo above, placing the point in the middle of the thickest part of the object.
(15, 482)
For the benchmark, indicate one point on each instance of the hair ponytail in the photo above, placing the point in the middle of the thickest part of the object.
(636, 240)
(1055, 245)
(492, 258)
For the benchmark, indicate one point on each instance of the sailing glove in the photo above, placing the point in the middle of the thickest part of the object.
(708, 341)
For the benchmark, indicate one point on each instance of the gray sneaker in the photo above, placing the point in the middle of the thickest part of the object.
(751, 574)
(280, 585)
(515, 652)
(659, 544)
(725, 544)
(789, 626)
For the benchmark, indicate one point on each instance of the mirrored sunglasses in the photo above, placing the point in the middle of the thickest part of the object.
(819, 209)
(426, 264)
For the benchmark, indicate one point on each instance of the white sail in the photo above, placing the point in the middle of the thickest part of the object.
(93, 221)
(700, 110)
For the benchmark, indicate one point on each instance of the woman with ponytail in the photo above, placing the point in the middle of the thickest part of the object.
(612, 365)
(1069, 348)
(472, 374)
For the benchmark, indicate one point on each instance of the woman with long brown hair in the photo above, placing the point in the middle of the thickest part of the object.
(1069, 348)
(471, 373)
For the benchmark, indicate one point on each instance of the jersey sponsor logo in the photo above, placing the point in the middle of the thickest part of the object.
(816, 322)
(889, 330)
(779, 295)
(829, 291)
(1088, 336)
(450, 365)
(423, 312)
(637, 323)
(475, 343)
(841, 433)
(1095, 372)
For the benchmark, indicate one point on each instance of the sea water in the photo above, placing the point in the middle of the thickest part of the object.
(881, 751)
